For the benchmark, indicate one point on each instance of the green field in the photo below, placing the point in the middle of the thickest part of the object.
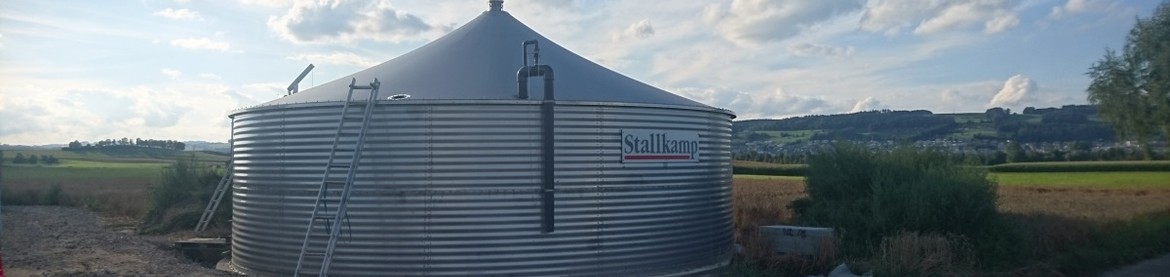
(127, 154)
(115, 182)
(1092, 166)
(93, 171)
(1086, 179)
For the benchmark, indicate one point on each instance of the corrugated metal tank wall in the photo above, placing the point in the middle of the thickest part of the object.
(451, 188)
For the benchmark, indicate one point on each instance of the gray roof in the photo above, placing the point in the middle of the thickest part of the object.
(479, 61)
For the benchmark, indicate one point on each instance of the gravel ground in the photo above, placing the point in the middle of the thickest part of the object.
(62, 241)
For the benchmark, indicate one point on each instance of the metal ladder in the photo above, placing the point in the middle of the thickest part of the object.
(220, 190)
(332, 220)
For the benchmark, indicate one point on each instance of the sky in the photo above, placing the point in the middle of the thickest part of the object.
(91, 70)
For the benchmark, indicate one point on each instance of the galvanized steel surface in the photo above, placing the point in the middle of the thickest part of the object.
(478, 61)
(450, 188)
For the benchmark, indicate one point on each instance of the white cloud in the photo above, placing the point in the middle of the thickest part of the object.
(268, 3)
(86, 110)
(210, 76)
(774, 104)
(755, 22)
(171, 73)
(1, 40)
(869, 104)
(339, 58)
(641, 30)
(346, 21)
(202, 44)
(1017, 90)
(932, 16)
(812, 49)
(179, 14)
(1072, 7)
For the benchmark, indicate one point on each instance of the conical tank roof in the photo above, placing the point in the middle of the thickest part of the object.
(479, 60)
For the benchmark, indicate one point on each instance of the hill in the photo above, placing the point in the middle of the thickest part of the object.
(1068, 133)
(1064, 124)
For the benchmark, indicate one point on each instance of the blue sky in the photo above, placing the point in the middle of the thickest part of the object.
(91, 70)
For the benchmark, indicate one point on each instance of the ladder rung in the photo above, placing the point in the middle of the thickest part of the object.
(326, 217)
(360, 87)
(344, 149)
(312, 253)
(339, 165)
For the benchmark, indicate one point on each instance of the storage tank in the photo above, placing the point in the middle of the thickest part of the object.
(452, 180)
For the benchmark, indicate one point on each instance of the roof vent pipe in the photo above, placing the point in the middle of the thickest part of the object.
(496, 5)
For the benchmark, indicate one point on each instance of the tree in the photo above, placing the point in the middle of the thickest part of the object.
(19, 159)
(1014, 153)
(1132, 89)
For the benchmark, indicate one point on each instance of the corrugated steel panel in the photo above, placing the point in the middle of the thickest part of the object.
(449, 189)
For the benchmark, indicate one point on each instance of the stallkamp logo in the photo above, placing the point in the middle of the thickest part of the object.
(660, 146)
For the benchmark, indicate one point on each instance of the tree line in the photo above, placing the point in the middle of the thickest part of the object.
(149, 143)
(34, 159)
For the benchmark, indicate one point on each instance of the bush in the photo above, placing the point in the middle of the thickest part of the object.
(867, 195)
(178, 200)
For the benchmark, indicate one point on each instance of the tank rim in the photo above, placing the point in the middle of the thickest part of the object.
(234, 113)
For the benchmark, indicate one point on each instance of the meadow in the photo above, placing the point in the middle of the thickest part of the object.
(112, 183)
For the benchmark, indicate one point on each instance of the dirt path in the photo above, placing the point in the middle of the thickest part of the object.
(61, 241)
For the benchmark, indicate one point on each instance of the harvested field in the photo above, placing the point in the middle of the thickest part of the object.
(1096, 204)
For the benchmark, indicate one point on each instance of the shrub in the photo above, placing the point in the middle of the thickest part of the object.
(178, 200)
(867, 195)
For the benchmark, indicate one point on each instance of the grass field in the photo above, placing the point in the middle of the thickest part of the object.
(1103, 180)
(125, 155)
(116, 184)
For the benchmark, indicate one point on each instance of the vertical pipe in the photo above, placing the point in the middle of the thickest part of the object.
(547, 138)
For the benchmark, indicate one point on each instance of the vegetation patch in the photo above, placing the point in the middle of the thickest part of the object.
(177, 202)
(869, 196)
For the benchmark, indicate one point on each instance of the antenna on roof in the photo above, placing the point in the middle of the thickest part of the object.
(295, 86)
(496, 5)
